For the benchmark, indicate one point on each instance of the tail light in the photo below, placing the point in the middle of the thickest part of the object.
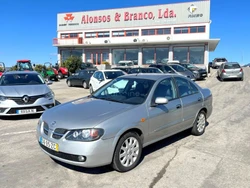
(223, 70)
(241, 69)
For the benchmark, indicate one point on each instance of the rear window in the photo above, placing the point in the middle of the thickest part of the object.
(232, 66)
(221, 60)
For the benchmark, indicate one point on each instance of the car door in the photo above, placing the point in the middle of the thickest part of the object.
(73, 79)
(191, 100)
(164, 120)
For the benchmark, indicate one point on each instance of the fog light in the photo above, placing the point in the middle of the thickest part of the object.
(2, 110)
(81, 158)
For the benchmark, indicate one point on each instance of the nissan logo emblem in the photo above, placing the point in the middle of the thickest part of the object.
(53, 124)
(25, 99)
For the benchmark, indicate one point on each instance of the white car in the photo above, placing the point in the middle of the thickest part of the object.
(101, 77)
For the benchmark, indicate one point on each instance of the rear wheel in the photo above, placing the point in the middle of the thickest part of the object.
(199, 124)
(127, 153)
(60, 75)
(69, 83)
(84, 85)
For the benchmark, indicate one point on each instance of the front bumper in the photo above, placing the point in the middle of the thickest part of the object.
(17, 107)
(96, 153)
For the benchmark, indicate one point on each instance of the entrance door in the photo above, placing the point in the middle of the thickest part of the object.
(97, 56)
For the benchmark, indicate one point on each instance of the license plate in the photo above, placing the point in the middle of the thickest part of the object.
(48, 144)
(26, 111)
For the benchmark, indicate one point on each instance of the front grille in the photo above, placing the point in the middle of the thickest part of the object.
(14, 110)
(58, 133)
(19, 100)
(60, 154)
(45, 128)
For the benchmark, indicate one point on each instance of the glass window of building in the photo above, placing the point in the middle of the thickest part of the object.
(118, 33)
(90, 35)
(103, 34)
(161, 55)
(196, 54)
(132, 33)
(201, 29)
(118, 55)
(148, 55)
(181, 54)
(67, 53)
(132, 54)
(163, 31)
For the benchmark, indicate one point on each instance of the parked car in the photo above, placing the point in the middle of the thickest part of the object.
(217, 62)
(199, 73)
(113, 128)
(87, 65)
(101, 77)
(231, 70)
(174, 68)
(127, 63)
(2, 68)
(124, 69)
(23, 93)
(81, 78)
(144, 70)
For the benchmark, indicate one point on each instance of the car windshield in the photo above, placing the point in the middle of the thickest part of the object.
(21, 79)
(24, 66)
(125, 90)
(232, 66)
(178, 68)
(113, 74)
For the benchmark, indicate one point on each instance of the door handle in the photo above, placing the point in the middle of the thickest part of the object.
(178, 106)
(199, 99)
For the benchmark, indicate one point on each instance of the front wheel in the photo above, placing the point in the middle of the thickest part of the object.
(69, 83)
(60, 75)
(199, 124)
(91, 89)
(127, 153)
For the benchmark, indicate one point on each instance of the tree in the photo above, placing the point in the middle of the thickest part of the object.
(13, 68)
(73, 63)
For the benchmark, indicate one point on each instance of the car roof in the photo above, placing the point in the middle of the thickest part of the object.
(149, 76)
(110, 70)
(21, 72)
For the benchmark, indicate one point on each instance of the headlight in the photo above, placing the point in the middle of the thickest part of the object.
(2, 98)
(85, 135)
(49, 95)
(196, 72)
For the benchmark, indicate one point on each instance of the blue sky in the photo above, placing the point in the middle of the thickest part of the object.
(28, 27)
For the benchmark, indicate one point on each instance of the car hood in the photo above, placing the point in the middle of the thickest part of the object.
(21, 90)
(83, 113)
(186, 73)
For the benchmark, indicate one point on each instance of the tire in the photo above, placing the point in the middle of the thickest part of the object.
(60, 75)
(132, 154)
(199, 124)
(69, 83)
(91, 89)
(84, 85)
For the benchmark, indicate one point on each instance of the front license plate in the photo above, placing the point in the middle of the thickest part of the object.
(26, 111)
(48, 144)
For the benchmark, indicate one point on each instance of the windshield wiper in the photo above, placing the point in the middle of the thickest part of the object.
(109, 99)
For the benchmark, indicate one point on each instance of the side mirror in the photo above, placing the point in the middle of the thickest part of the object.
(161, 100)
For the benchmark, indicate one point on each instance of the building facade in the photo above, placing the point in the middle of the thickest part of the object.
(143, 35)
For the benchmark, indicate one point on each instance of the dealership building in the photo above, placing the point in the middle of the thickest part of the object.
(144, 35)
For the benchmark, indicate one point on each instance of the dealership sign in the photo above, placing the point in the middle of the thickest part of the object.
(135, 17)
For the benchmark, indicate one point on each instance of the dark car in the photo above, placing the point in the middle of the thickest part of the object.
(174, 68)
(87, 65)
(124, 69)
(199, 73)
(81, 78)
(144, 70)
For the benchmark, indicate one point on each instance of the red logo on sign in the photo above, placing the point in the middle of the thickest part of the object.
(69, 17)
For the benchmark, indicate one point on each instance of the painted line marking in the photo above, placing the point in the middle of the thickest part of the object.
(16, 133)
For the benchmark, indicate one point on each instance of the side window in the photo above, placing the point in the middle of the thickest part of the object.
(166, 89)
(185, 87)
(101, 77)
(168, 69)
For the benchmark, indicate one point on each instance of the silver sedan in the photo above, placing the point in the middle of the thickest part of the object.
(23, 93)
(112, 125)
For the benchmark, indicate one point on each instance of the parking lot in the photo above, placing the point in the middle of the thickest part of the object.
(219, 158)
